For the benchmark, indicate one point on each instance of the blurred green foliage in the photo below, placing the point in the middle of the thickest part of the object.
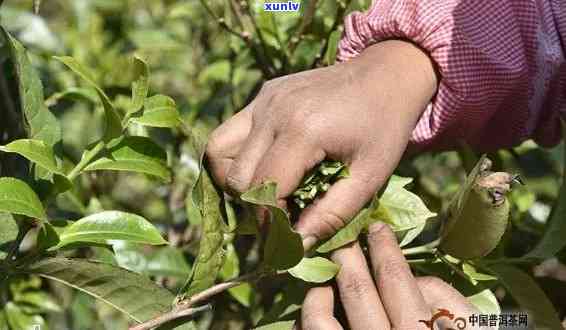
(211, 57)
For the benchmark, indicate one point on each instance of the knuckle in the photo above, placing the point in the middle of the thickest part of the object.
(393, 268)
(356, 286)
(234, 180)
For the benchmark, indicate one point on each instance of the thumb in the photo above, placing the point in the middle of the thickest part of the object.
(341, 202)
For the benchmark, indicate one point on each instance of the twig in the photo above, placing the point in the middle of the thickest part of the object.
(264, 65)
(305, 23)
(184, 307)
(337, 23)
(427, 248)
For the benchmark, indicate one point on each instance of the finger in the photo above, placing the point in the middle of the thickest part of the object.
(318, 310)
(286, 163)
(358, 293)
(396, 285)
(241, 172)
(441, 296)
(341, 202)
(225, 142)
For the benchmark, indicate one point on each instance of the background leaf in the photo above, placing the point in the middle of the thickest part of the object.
(135, 154)
(112, 117)
(39, 122)
(140, 85)
(8, 233)
(35, 151)
(528, 295)
(111, 225)
(133, 294)
(18, 198)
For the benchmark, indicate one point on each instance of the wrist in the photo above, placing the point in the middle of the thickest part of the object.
(401, 70)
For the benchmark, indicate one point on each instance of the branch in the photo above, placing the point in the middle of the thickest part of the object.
(184, 307)
(337, 23)
(305, 23)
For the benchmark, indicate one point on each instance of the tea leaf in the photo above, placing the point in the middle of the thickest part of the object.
(39, 122)
(18, 198)
(207, 200)
(135, 154)
(132, 294)
(553, 239)
(8, 233)
(486, 302)
(111, 225)
(19, 319)
(158, 111)
(280, 231)
(473, 210)
(140, 86)
(528, 295)
(315, 270)
(281, 325)
(35, 151)
(112, 117)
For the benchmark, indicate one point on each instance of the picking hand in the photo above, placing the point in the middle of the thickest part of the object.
(361, 112)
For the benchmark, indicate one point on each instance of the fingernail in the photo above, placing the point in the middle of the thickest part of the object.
(309, 241)
(376, 227)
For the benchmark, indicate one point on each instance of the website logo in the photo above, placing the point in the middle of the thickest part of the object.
(289, 6)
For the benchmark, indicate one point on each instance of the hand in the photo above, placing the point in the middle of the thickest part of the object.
(396, 300)
(361, 112)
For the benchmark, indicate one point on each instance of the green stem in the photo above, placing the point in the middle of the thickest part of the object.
(427, 248)
(85, 160)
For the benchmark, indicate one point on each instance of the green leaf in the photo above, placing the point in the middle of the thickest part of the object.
(332, 48)
(473, 211)
(111, 225)
(315, 270)
(73, 93)
(486, 302)
(553, 239)
(400, 208)
(39, 122)
(8, 233)
(39, 299)
(112, 117)
(134, 295)
(47, 236)
(349, 233)
(528, 295)
(158, 111)
(18, 319)
(18, 198)
(140, 86)
(208, 202)
(35, 151)
(168, 261)
(135, 154)
(474, 275)
(280, 232)
(281, 325)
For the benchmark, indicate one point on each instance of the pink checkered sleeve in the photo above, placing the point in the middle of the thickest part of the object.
(501, 64)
